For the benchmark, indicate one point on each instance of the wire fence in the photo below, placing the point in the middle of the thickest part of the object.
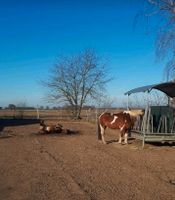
(56, 114)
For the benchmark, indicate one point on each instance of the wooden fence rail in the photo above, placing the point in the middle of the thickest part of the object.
(59, 114)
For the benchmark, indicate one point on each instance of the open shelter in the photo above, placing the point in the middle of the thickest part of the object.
(158, 122)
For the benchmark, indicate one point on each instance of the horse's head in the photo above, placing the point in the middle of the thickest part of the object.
(135, 113)
(58, 125)
(42, 125)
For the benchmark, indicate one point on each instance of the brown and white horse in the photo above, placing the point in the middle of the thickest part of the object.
(50, 128)
(122, 121)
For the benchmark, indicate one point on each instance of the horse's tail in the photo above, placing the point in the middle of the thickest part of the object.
(98, 130)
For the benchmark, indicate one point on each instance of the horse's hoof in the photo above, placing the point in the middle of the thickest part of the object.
(102, 142)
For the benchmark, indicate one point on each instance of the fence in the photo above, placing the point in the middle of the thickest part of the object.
(58, 114)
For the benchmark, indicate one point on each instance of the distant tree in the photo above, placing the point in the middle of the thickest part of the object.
(54, 108)
(47, 108)
(76, 79)
(21, 106)
(12, 106)
(165, 29)
(41, 107)
(141, 100)
(106, 101)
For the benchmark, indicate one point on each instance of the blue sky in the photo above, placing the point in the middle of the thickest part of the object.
(34, 33)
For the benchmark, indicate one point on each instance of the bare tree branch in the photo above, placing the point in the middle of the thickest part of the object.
(165, 41)
(77, 78)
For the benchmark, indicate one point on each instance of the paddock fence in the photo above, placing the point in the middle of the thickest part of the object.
(55, 114)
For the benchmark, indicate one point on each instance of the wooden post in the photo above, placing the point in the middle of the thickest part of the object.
(37, 111)
(127, 102)
(96, 121)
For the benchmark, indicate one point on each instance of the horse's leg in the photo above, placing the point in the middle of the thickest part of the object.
(120, 138)
(126, 138)
(122, 131)
(103, 133)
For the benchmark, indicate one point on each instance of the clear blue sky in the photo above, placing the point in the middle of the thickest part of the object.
(34, 33)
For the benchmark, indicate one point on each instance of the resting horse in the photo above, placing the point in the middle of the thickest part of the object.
(50, 128)
(122, 121)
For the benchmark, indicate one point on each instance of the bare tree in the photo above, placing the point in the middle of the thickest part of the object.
(106, 101)
(141, 100)
(20, 108)
(12, 106)
(77, 79)
(165, 42)
(159, 15)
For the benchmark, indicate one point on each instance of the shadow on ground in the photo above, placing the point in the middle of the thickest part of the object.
(63, 132)
(16, 122)
(162, 144)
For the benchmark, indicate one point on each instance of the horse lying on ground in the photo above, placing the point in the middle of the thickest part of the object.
(121, 121)
(50, 128)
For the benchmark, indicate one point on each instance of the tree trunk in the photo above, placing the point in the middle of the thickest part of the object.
(76, 112)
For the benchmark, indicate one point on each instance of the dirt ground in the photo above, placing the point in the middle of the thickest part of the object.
(77, 166)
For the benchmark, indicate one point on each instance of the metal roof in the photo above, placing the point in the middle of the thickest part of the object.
(168, 88)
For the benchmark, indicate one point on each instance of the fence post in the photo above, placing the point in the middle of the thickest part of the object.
(96, 121)
(37, 111)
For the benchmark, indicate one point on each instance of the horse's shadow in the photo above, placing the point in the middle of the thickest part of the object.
(70, 132)
(130, 141)
(111, 141)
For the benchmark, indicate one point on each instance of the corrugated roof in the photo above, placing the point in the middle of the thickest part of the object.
(168, 88)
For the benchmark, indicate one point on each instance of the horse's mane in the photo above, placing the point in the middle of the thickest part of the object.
(134, 113)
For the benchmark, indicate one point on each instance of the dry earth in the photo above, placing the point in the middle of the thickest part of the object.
(73, 167)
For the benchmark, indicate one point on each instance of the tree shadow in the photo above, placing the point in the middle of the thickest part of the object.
(16, 122)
